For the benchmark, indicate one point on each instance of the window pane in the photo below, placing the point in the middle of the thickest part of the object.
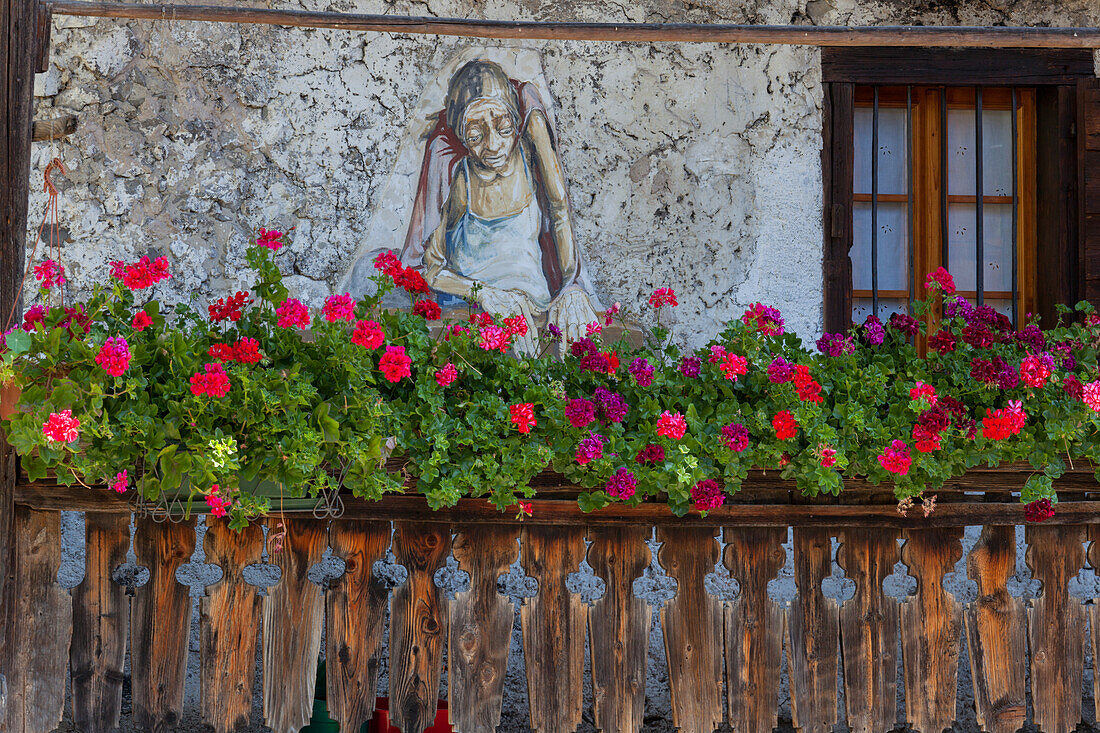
(996, 246)
(861, 308)
(893, 247)
(893, 175)
(996, 152)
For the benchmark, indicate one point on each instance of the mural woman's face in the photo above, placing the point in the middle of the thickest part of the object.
(489, 133)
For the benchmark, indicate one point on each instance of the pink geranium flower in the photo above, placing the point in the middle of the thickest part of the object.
(339, 308)
(446, 375)
(671, 425)
(114, 356)
(292, 313)
(49, 273)
(61, 427)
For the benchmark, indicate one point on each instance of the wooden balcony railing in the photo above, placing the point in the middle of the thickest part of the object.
(724, 658)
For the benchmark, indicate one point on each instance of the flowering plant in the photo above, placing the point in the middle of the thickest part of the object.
(362, 398)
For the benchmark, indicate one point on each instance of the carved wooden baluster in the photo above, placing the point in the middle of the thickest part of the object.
(481, 628)
(1056, 626)
(355, 611)
(418, 625)
(692, 626)
(229, 617)
(101, 625)
(931, 629)
(995, 633)
(553, 624)
(869, 630)
(813, 638)
(754, 627)
(618, 628)
(160, 625)
(43, 626)
(293, 611)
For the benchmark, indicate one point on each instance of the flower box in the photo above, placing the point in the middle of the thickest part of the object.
(370, 399)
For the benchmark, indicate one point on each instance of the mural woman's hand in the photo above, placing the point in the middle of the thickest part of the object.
(572, 312)
(509, 303)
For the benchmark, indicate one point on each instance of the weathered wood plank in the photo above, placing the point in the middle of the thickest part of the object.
(355, 609)
(692, 627)
(17, 64)
(1004, 37)
(931, 630)
(1094, 609)
(553, 622)
(293, 612)
(618, 628)
(418, 625)
(160, 626)
(995, 633)
(1056, 626)
(754, 628)
(229, 619)
(101, 625)
(869, 630)
(813, 635)
(43, 626)
(481, 628)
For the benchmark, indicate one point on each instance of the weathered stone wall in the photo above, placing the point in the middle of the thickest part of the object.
(695, 166)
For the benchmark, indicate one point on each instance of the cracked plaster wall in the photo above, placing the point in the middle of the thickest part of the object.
(689, 165)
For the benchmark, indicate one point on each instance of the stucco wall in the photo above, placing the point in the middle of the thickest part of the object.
(694, 166)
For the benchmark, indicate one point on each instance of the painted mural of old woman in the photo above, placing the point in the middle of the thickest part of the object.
(492, 209)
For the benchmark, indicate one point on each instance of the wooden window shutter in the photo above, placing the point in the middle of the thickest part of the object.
(1088, 155)
(837, 170)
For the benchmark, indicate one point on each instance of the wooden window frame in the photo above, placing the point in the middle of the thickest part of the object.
(1056, 77)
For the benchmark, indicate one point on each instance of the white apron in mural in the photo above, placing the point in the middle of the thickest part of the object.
(502, 252)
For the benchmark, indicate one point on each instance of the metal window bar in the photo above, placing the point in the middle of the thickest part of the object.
(1015, 203)
(874, 204)
(979, 199)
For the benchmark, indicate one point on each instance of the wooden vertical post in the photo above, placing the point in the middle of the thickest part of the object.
(18, 20)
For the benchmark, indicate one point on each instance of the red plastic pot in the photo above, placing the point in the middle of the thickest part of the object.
(380, 723)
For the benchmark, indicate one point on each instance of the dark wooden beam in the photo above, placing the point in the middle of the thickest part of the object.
(774, 509)
(959, 66)
(19, 22)
(1002, 37)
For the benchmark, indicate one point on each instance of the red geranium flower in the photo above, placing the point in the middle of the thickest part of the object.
(339, 308)
(270, 238)
(114, 356)
(428, 309)
(523, 416)
(671, 425)
(368, 334)
(940, 279)
(61, 427)
(446, 375)
(662, 297)
(213, 381)
(141, 321)
(229, 309)
(395, 364)
(145, 273)
(785, 425)
(1039, 510)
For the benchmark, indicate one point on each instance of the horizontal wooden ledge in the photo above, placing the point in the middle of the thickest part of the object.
(49, 496)
(926, 36)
